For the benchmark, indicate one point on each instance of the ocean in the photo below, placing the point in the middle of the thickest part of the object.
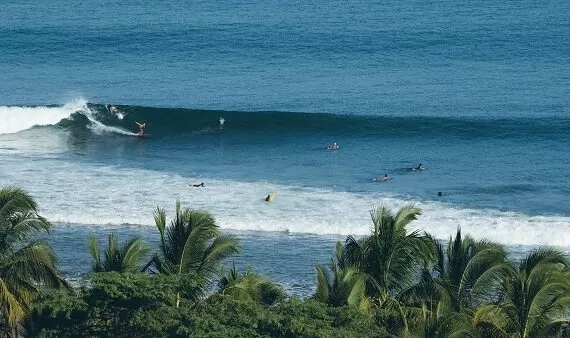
(475, 91)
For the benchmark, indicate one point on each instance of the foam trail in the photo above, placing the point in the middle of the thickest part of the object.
(99, 128)
(14, 119)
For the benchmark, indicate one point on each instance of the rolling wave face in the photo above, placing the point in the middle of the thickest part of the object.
(94, 118)
(168, 121)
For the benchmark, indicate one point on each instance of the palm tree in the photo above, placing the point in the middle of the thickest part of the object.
(250, 287)
(468, 269)
(462, 275)
(26, 264)
(461, 280)
(439, 322)
(534, 298)
(344, 286)
(191, 244)
(391, 256)
(127, 258)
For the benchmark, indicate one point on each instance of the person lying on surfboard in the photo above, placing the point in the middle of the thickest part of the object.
(382, 178)
(419, 167)
(333, 146)
(141, 127)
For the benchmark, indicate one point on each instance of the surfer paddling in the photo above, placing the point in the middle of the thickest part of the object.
(419, 167)
(382, 178)
(141, 128)
(333, 146)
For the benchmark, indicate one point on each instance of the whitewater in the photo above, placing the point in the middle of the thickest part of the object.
(86, 193)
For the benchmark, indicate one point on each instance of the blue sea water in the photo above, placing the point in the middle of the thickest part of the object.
(476, 91)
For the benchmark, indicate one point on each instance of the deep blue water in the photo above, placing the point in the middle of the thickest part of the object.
(476, 91)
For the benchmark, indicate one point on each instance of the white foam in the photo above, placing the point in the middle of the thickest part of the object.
(81, 194)
(100, 128)
(14, 119)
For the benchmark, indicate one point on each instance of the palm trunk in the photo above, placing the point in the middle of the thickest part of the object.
(178, 299)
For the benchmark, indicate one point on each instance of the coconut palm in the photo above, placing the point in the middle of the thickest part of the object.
(191, 244)
(343, 286)
(250, 287)
(26, 263)
(462, 276)
(468, 270)
(126, 258)
(439, 322)
(391, 256)
(534, 298)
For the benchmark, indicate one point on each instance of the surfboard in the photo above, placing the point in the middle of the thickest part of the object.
(143, 135)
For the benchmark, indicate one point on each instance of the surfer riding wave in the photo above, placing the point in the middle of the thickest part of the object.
(141, 125)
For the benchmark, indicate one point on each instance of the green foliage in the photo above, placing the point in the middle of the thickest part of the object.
(126, 258)
(534, 299)
(390, 255)
(113, 305)
(465, 275)
(26, 264)
(392, 258)
(121, 305)
(344, 286)
(191, 244)
(250, 287)
(469, 270)
(222, 316)
(438, 322)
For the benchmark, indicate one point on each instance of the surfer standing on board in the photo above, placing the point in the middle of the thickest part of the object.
(141, 127)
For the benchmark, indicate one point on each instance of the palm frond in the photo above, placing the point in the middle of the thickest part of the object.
(221, 248)
(132, 254)
(93, 246)
(323, 287)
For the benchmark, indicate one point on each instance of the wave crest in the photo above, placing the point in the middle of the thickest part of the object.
(14, 119)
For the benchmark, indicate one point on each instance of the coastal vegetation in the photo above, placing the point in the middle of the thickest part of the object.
(395, 282)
